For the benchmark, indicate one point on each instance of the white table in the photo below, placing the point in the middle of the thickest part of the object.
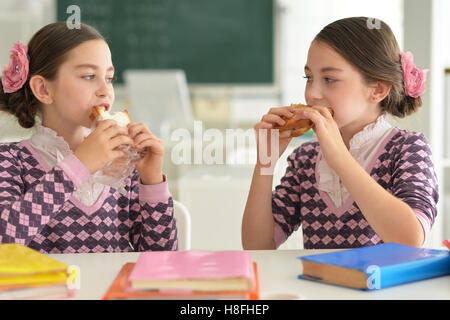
(277, 269)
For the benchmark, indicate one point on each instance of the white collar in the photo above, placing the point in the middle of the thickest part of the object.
(370, 133)
(47, 141)
(53, 149)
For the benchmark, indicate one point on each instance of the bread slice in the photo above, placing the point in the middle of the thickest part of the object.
(121, 117)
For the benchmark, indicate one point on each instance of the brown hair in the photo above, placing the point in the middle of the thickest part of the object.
(374, 51)
(47, 50)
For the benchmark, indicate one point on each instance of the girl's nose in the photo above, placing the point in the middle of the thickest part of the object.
(103, 89)
(313, 93)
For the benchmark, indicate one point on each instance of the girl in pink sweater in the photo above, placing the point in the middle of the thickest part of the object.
(360, 181)
(48, 198)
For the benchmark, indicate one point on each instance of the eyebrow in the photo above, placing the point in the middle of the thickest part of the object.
(325, 69)
(92, 66)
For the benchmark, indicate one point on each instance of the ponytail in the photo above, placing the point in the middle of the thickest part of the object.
(22, 104)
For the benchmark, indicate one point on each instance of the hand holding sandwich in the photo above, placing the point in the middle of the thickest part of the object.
(151, 164)
(275, 116)
(297, 119)
(327, 131)
(101, 146)
(104, 146)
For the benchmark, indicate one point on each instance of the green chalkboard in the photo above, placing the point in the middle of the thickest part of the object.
(213, 41)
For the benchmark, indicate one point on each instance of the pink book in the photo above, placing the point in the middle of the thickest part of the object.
(193, 270)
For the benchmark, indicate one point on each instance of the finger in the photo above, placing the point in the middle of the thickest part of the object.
(137, 128)
(263, 125)
(119, 140)
(149, 143)
(301, 113)
(105, 124)
(144, 136)
(273, 118)
(324, 111)
(282, 111)
(316, 117)
(134, 128)
(114, 131)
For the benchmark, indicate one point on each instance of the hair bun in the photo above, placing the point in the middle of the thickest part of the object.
(18, 104)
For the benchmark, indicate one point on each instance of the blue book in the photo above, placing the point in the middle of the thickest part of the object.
(376, 267)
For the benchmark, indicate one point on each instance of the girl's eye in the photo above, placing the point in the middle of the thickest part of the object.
(89, 77)
(308, 78)
(329, 80)
(111, 79)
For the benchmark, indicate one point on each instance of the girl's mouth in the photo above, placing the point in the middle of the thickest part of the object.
(104, 105)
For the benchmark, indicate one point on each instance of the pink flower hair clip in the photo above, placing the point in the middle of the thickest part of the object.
(413, 76)
(15, 74)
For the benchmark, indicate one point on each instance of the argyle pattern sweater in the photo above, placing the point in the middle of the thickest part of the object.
(37, 208)
(402, 165)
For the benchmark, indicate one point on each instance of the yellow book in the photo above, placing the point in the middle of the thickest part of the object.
(20, 266)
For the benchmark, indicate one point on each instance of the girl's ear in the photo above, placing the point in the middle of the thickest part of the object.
(379, 91)
(39, 86)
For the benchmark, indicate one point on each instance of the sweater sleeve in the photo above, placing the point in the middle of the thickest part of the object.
(415, 181)
(24, 213)
(153, 225)
(286, 202)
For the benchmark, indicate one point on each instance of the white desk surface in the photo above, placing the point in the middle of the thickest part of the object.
(277, 269)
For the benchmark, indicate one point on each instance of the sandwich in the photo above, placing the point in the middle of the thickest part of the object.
(114, 173)
(100, 113)
(298, 127)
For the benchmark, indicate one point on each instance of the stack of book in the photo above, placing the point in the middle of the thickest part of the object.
(376, 267)
(189, 275)
(28, 274)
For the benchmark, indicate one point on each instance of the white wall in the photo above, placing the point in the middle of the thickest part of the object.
(19, 20)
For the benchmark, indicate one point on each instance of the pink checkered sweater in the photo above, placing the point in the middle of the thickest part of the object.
(38, 209)
(402, 166)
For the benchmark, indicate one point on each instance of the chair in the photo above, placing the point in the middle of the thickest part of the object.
(183, 221)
